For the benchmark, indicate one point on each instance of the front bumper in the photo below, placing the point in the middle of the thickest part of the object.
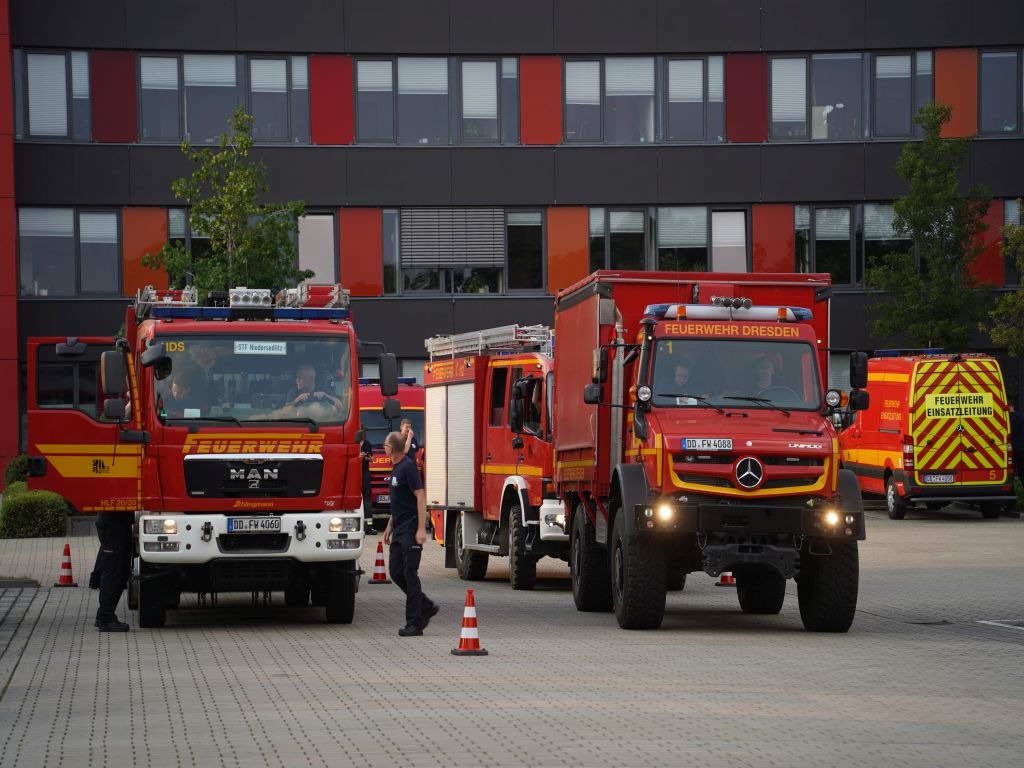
(950, 493)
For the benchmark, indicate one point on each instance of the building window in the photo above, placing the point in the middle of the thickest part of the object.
(893, 95)
(832, 244)
(412, 368)
(389, 248)
(211, 96)
(683, 239)
(836, 97)
(423, 101)
(509, 100)
(880, 238)
(999, 97)
(583, 101)
(695, 108)
(179, 232)
(53, 101)
(299, 99)
(924, 84)
(317, 249)
(624, 246)
(789, 99)
(375, 101)
(279, 99)
(480, 101)
(728, 241)
(1012, 216)
(159, 99)
(454, 250)
(524, 237)
(629, 100)
(62, 254)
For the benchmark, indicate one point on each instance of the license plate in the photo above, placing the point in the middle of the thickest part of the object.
(384, 499)
(254, 524)
(707, 443)
(938, 479)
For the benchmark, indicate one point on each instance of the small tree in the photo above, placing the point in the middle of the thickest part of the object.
(937, 302)
(1007, 318)
(251, 244)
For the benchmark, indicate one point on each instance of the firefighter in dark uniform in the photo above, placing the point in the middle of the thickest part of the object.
(114, 566)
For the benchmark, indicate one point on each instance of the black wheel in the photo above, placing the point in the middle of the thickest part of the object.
(760, 591)
(296, 594)
(472, 566)
(173, 598)
(675, 580)
(152, 603)
(341, 596)
(893, 505)
(133, 586)
(989, 510)
(827, 585)
(588, 566)
(638, 578)
(522, 566)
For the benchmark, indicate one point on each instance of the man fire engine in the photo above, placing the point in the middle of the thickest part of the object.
(230, 432)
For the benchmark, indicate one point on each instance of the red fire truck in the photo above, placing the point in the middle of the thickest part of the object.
(488, 488)
(703, 442)
(229, 431)
(377, 426)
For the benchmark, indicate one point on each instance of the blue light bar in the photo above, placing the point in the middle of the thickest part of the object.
(658, 311)
(236, 313)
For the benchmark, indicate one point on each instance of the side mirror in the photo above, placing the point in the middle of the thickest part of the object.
(592, 394)
(387, 365)
(112, 374)
(631, 355)
(114, 409)
(153, 354)
(392, 409)
(162, 369)
(71, 347)
(858, 370)
(859, 400)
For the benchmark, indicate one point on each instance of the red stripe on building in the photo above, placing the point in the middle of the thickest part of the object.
(331, 111)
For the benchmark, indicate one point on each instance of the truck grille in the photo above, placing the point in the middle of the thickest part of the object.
(245, 575)
(223, 478)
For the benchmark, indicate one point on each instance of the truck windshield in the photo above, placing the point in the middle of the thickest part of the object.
(702, 373)
(246, 378)
(377, 427)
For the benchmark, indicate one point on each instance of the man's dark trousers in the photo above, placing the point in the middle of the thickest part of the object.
(404, 566)
(115, 533)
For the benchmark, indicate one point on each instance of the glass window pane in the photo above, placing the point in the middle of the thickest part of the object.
(597, 239)
(211, 97)
(300, 100)
(685, 113)
(716, 98)
(832, 243)
(423, 101)
(159, 98)
(19, 94)
(510, 101)
(729, 241)
(421, 280)
(1000, 112)
(892, 95)
(836, 97)
(475, 280)
(389, 221)
(629, 100)
(626, 240)
(802, 239)
(375, 104)
(525, 238)
(81, 111)
(789, 98)
(924, 83)
(1012, 215)
(268, 81)
(582, 101)
(479, 101)
(316, 248)
(47, 251)
(99, 252)
(47, 94)
(682, 239)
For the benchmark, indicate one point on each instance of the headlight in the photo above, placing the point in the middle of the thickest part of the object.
(334, 526)
(158, 526)
(643, 394)
(343, 524)
(664, 513)
(831, 518)
(833, 398)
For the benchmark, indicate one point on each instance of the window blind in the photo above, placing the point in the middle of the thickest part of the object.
(79, 75)
(209, 71)
(686, 81)
(683, 227)
(716, 78)
(1011, 212)
(97, 227)
(479, 90)
(632, 76)
(924, 62)
(892, 67)
(583, 83)
(452, 237)
(177, 223)
(47, 95)
(597, 222)
(268, 75)
(789, 90)
(729, 229)
(878, 220)
(802, 217)
(374, 76)
(832, 224)
(509, 67)
(620, 222)
(300, 73)
(423, 76)
(524, 219)
(46, 222)
(159, 74)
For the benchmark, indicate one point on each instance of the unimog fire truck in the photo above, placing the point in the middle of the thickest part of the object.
(692, 432)
(488, 481)
(228, 431)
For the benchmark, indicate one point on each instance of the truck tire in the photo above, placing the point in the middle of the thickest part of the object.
(588, 566)
(472, 566)
(893, 505)
(827, 585)
(341, 597)
(760, 592)
(296, 594)
(675, 580)
(133, 586)
(522, 566)
(638, 578)
(152, 603)
(989, 510)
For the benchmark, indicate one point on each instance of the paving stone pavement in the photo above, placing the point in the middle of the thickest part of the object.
(919, 680)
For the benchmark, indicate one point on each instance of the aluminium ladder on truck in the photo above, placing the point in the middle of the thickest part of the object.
(505, 339)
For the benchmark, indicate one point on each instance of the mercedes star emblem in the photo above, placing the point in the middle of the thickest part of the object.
(749, 472)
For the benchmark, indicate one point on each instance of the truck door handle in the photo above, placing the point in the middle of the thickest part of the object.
(488, 455)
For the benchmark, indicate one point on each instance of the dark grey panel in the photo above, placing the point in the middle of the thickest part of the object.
(606, 176)
(396, 26)
(807, 173)
(824, 25)
(68, 23)
(525, 26)
(503, 176)
(851, 323)
(413, 176)
(880, 179)
(703, 175)
(315, 175)
(916, 23)
(297, 26)
(184, 25)
(606, 26)
(709, 27)
(997, 22)
(49, 174)
(997, 164)
(79, 317)
(152, 169)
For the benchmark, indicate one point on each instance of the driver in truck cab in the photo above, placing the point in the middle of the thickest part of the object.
(307, 392)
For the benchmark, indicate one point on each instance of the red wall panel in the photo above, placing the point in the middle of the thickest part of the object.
(540, 94)
(6, 93)
(988, 267)
(746, 97)
(9, 414)
(568, 242)
(772, 239)
(331, 111)
(144, 230)
(112, 93)
(956, 84)
(8, 241)
(361, 249)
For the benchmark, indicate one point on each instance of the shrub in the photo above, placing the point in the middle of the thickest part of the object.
(31, 514)
(15, 488)
(17, 470)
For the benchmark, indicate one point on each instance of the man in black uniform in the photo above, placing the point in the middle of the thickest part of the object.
(366, 454)
(114, 565)
(405, 534)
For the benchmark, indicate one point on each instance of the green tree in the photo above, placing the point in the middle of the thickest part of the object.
(1007, 317)
(938, 301)
(251, 243)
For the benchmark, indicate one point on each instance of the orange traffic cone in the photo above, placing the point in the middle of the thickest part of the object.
(380, 575)
(726, 580)
(66, 579)
(469, 641)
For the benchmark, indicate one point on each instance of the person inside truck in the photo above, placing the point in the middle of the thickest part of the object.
(764, 373)
(307, 392)
(183, 396)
